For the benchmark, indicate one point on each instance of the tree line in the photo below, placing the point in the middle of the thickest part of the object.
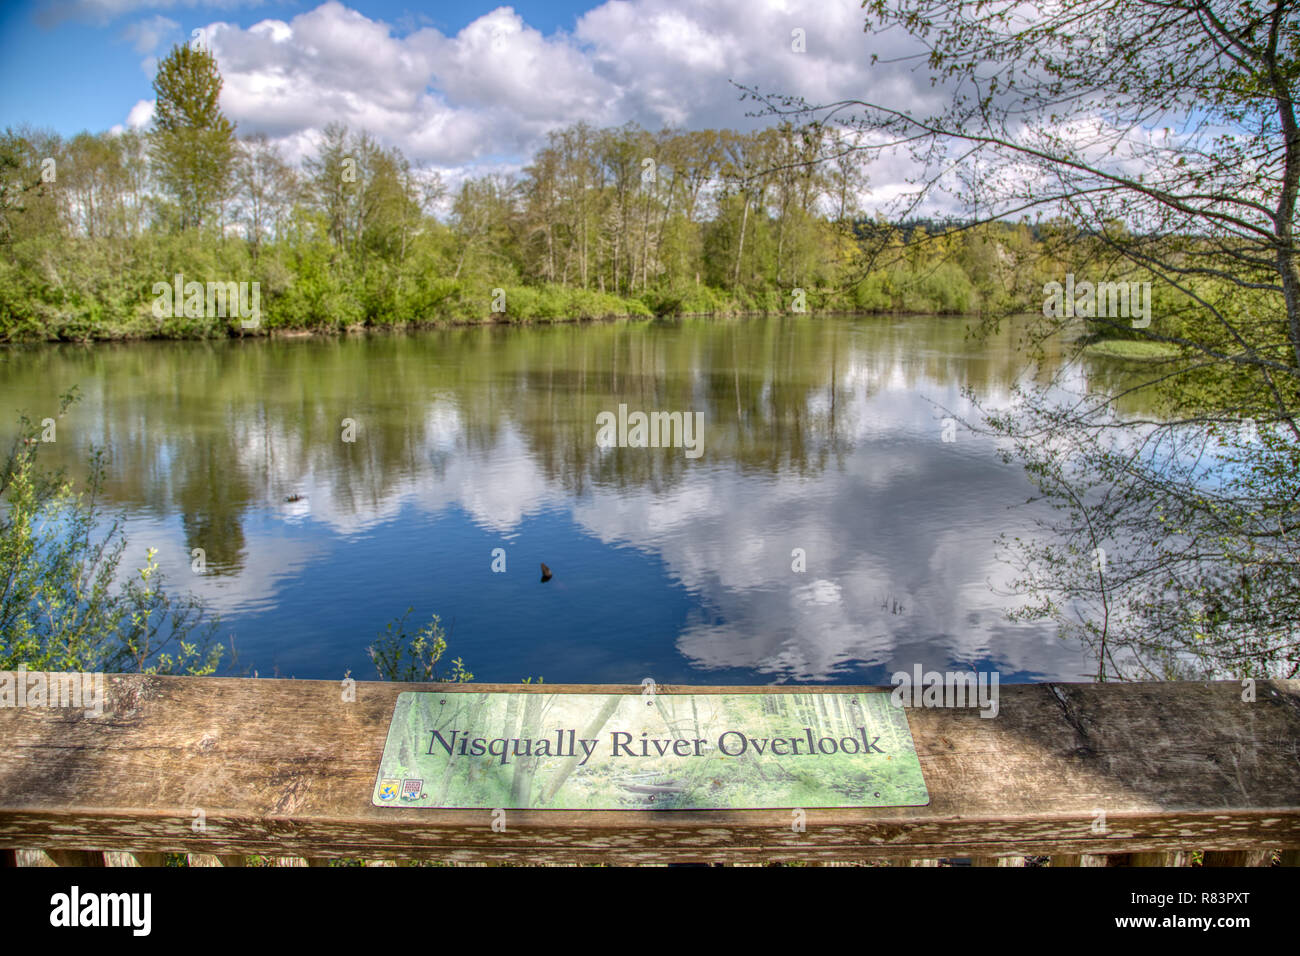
(620, 221)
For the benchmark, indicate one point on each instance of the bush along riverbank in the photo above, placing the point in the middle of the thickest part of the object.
(166, 288)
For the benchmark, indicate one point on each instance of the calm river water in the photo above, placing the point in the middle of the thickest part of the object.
(820, 434)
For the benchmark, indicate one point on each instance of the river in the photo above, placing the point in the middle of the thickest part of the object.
(823, 443)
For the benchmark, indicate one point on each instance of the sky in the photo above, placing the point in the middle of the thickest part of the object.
(459, 86)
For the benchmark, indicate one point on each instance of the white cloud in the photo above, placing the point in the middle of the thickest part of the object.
(147, 34)
(484, 98)
(140, 114)
(488, 94)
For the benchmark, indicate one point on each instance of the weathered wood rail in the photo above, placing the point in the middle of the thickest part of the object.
(285, 768)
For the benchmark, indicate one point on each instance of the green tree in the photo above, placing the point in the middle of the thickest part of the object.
(267, 187)
(1162, 140)
(28, 203)
(192, 144)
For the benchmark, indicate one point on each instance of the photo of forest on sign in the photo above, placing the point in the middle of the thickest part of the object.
(658, 751)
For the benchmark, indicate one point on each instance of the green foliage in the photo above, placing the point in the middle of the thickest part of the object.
(62, 607)
(192, 145)
(1135, 350)
(728, 223)
(349, 240)
(401, 656)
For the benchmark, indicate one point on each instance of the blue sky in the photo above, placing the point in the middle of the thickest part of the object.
(72, 66)
(460, 87)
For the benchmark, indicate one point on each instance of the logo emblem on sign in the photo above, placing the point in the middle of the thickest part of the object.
(412, 788)
(388, 789)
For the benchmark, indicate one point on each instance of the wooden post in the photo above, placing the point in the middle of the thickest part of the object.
(210, 859)
(76, 857)
(1238, 858)
(1083, 859)
(1158, 859)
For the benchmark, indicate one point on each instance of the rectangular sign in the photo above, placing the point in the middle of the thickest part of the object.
(462, 749)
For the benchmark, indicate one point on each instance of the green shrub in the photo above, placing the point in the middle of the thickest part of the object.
(64, 607)
(400, 656)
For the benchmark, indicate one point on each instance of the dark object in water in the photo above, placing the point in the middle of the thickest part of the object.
(546, 573)
(292, 498)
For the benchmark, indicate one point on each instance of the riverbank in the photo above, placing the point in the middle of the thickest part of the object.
(117, 336)
(280, 316)
(155, 287)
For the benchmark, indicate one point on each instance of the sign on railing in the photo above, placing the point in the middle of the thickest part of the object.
(644, 752)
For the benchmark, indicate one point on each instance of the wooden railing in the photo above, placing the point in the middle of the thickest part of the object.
(1085, 774)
